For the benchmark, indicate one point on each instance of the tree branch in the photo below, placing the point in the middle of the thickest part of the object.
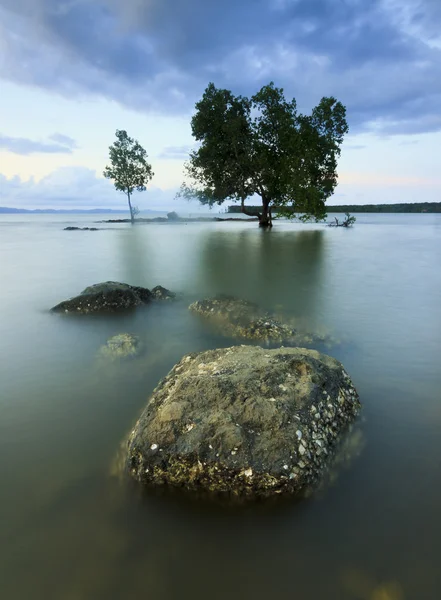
(245, 211)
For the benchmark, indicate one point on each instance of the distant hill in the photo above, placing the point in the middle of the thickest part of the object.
(415, 207)
(49, 211)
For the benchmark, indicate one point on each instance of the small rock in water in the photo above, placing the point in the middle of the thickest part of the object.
(111, 297)
(123, 345)
(70, 228)
(162, 293)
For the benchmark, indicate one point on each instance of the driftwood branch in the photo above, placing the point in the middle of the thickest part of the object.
(348, 222)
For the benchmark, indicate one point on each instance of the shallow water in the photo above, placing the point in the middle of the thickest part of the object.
(70, 530)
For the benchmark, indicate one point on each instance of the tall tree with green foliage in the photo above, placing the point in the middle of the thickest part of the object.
(128, 168)
(262, 146)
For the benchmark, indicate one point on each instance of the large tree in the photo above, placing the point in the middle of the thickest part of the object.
(128, 168)
(262, 146)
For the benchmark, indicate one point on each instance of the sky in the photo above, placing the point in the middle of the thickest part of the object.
(74, 71)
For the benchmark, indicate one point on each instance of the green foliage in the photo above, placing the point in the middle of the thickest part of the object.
(262, 146)
(128, 168)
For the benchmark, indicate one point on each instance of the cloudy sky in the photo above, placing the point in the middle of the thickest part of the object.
(74, 71)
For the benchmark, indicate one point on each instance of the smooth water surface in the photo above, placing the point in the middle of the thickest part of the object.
(72, 530)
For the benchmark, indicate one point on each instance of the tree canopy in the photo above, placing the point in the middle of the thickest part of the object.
(128, 168)
(263, 146)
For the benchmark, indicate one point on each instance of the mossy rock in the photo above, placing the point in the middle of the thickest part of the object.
(241, 319)
(121, 346)
(243, 420)
(111, 296)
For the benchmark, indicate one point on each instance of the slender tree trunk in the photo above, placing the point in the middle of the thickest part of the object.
(131, 209)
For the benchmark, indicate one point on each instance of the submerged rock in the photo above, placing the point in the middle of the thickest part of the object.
(109, 296)
(242, 319)
(123, 345)
(243, 420)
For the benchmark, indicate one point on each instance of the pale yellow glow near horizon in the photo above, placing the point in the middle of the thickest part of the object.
(168, 173)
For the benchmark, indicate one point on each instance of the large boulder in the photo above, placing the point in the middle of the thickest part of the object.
(110, 296)
(243, 420)
(242, 319)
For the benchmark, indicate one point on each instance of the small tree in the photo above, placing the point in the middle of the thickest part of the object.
(262, 146)
(128, 168)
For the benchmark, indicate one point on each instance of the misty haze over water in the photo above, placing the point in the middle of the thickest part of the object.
(72, 530)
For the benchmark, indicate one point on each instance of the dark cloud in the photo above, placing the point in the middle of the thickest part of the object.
(382, 58)
(59, 144)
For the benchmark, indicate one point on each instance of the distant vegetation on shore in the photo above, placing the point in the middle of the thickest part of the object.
(415, 207)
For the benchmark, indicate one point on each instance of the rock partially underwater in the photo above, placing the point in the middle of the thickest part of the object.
(243, 420)
(121, 346)
(111, 296)
(162, 293)
(70, 228)
(242, 319)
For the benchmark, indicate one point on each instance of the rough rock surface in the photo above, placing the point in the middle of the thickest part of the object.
(109, 296)
(162, 293)
(243, 420)
(123, 345)
(242, 319)
(70, 228)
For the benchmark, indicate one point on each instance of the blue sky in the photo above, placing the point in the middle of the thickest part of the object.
(74, 71)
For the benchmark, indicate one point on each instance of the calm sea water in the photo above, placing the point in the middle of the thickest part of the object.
(70, 530)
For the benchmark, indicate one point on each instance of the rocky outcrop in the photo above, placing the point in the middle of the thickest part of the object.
(70, 228)
(121, 346)
(110, 296)
(242, 319)
(162, 293)
(243, 420)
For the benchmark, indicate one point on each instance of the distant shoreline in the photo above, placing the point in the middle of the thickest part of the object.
(407, 207)
(403, 208)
